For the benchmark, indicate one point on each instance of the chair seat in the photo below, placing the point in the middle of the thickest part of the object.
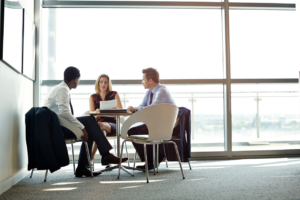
(138, 137)
(71, 140)
(111, 136)
(175, 138)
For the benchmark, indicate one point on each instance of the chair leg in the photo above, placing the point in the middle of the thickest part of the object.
(154, 159)
(31, 173)
(88, 156)
(187, 141)
(157, 156)
(46, 175)
(190, 165)
(73, 158)
(165, 155)
(115, 148)
(178, 157)
(145, 154)
(121, 158)
(134, 159)
(127, 155)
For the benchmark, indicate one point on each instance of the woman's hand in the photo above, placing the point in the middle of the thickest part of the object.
(97, 110)
(114, 108)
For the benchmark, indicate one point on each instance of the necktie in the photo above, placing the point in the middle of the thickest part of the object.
(151, 97)
(71, 105)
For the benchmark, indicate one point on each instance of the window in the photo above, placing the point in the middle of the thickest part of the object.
(264, 44)
(265, 116)
(179, 43)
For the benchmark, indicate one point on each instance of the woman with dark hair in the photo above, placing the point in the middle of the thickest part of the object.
(103, 88)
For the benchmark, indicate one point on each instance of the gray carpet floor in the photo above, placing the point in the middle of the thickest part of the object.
(274, 178)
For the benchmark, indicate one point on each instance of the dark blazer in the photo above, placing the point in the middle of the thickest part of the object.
(46, 145)
(184, 145)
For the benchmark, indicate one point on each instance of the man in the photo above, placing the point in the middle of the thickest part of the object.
(157, 94)
(59, 101)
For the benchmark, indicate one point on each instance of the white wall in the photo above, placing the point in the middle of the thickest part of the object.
(16, 98)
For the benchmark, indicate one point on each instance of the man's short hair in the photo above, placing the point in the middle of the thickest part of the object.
(71, 73)
(151, 73)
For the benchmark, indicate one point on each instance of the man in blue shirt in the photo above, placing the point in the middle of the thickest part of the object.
(157, 94)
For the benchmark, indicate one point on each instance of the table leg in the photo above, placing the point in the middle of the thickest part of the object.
(118, 135)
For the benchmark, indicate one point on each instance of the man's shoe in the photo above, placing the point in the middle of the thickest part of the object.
(85, 172)
(143, 167)
(111, 159)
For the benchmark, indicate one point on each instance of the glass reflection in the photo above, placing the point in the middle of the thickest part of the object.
(12, 38)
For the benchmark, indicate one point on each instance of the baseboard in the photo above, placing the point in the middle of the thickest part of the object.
(12, 180)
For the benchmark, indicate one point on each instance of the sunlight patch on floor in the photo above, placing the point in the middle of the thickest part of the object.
(66, 183)
(280, 164)
(60, 189)
(114, 182)
(129, 187)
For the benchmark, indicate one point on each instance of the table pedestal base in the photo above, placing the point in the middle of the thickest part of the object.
(124, 168)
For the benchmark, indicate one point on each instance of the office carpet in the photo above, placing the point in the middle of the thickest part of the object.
(274, 178)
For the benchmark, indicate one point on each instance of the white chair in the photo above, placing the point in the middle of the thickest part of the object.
(173, 138)
(160, 120)
(78, 133)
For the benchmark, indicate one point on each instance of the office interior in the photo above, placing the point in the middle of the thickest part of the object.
(234, 64)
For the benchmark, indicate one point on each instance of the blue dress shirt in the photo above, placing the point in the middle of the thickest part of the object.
(161, 95)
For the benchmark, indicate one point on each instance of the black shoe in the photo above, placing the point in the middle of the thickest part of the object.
(143, 167)
(111, 159)
(85, 172)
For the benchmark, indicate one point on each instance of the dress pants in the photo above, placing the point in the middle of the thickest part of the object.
(94, 134)
(143, 130)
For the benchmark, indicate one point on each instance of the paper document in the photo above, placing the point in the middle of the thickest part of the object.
(108, 104)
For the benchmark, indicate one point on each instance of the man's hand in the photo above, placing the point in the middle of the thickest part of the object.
(85, 136)
(131, 109)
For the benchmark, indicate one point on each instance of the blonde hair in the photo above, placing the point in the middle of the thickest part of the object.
(97, 88)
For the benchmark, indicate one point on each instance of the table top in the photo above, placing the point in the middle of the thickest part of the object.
(111, 114)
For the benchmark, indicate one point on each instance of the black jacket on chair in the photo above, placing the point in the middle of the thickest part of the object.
(184, 145)
(46, 145)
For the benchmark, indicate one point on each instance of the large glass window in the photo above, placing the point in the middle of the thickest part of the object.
(265, 116)
(179, 43)
(264, 44)
(188, 44)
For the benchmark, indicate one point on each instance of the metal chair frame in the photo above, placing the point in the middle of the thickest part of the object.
(71, 141)
(160, 131)
(155, 156)
(173, 138)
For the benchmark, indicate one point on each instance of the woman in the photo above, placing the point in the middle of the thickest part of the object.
(103, 88)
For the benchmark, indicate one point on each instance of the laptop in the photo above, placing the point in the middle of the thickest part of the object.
(114, 111)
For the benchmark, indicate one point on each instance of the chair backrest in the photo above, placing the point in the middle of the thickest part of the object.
(69, 125)
(159, 118)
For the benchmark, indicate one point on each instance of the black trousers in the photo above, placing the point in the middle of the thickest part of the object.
(143, 130)
(95, 134)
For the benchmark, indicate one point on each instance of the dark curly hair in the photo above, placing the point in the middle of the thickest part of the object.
(71, 73)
